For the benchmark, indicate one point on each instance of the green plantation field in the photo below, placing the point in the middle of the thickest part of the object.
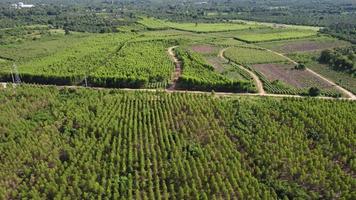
(248, 55)
(274, 34)
(111, 60)
(152, 23)
(110, 144)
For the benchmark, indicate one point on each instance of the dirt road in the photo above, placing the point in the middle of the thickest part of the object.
(257, 80)
(178, 68)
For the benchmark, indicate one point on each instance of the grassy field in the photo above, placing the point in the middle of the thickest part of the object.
(111, 144)
(274, 25)
(302, 45)
(243, 55)
(34, 49)
(152, 23)
(274, 35)
(310, 59)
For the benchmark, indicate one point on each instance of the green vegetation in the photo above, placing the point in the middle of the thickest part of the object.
(152, 23)
(247, 55)
(82, 144)
(345, 31)
(342, 59)
(27, 50)
(109, 60)
(198, 75)
(275, 34)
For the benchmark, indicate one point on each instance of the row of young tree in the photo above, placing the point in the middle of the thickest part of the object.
(108, 144)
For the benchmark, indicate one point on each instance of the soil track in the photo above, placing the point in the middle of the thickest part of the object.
(258, 82)
(178, 68)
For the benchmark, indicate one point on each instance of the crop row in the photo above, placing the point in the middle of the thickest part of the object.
(110, 144)
(106, 61)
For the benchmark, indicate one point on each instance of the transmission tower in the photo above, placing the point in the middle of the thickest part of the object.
(15, 79)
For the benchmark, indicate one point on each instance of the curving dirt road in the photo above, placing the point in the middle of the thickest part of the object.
(257, 80)
(178, 69)
(348, 93)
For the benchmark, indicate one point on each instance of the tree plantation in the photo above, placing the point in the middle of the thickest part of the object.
(112, 144)
(178, 100)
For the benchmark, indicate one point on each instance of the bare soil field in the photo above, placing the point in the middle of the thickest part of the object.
(204, 48)
(304, 45)
(290, 76)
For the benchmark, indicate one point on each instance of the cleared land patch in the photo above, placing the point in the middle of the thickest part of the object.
(290, 76)
(244, 55)
(301, 45)
(341, 78)
(204, 49)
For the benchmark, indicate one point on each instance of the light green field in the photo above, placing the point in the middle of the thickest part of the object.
(274, 25)
(252, 56)
(274, 35)
(195, 27)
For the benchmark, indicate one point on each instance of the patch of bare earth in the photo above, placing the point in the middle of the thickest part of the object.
(216, 63)
(287, 74)
(203, 48)
(308, 46)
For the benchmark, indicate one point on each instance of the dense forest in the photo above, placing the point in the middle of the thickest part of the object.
(110, 144)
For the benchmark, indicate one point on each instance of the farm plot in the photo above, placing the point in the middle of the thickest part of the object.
(290, 76)
(274, 35)
(247, 55)
(343, 79)
(210, 54)
(204, 49)
(302, 45)
(152, 23)
(199, 75)
(229, 70)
